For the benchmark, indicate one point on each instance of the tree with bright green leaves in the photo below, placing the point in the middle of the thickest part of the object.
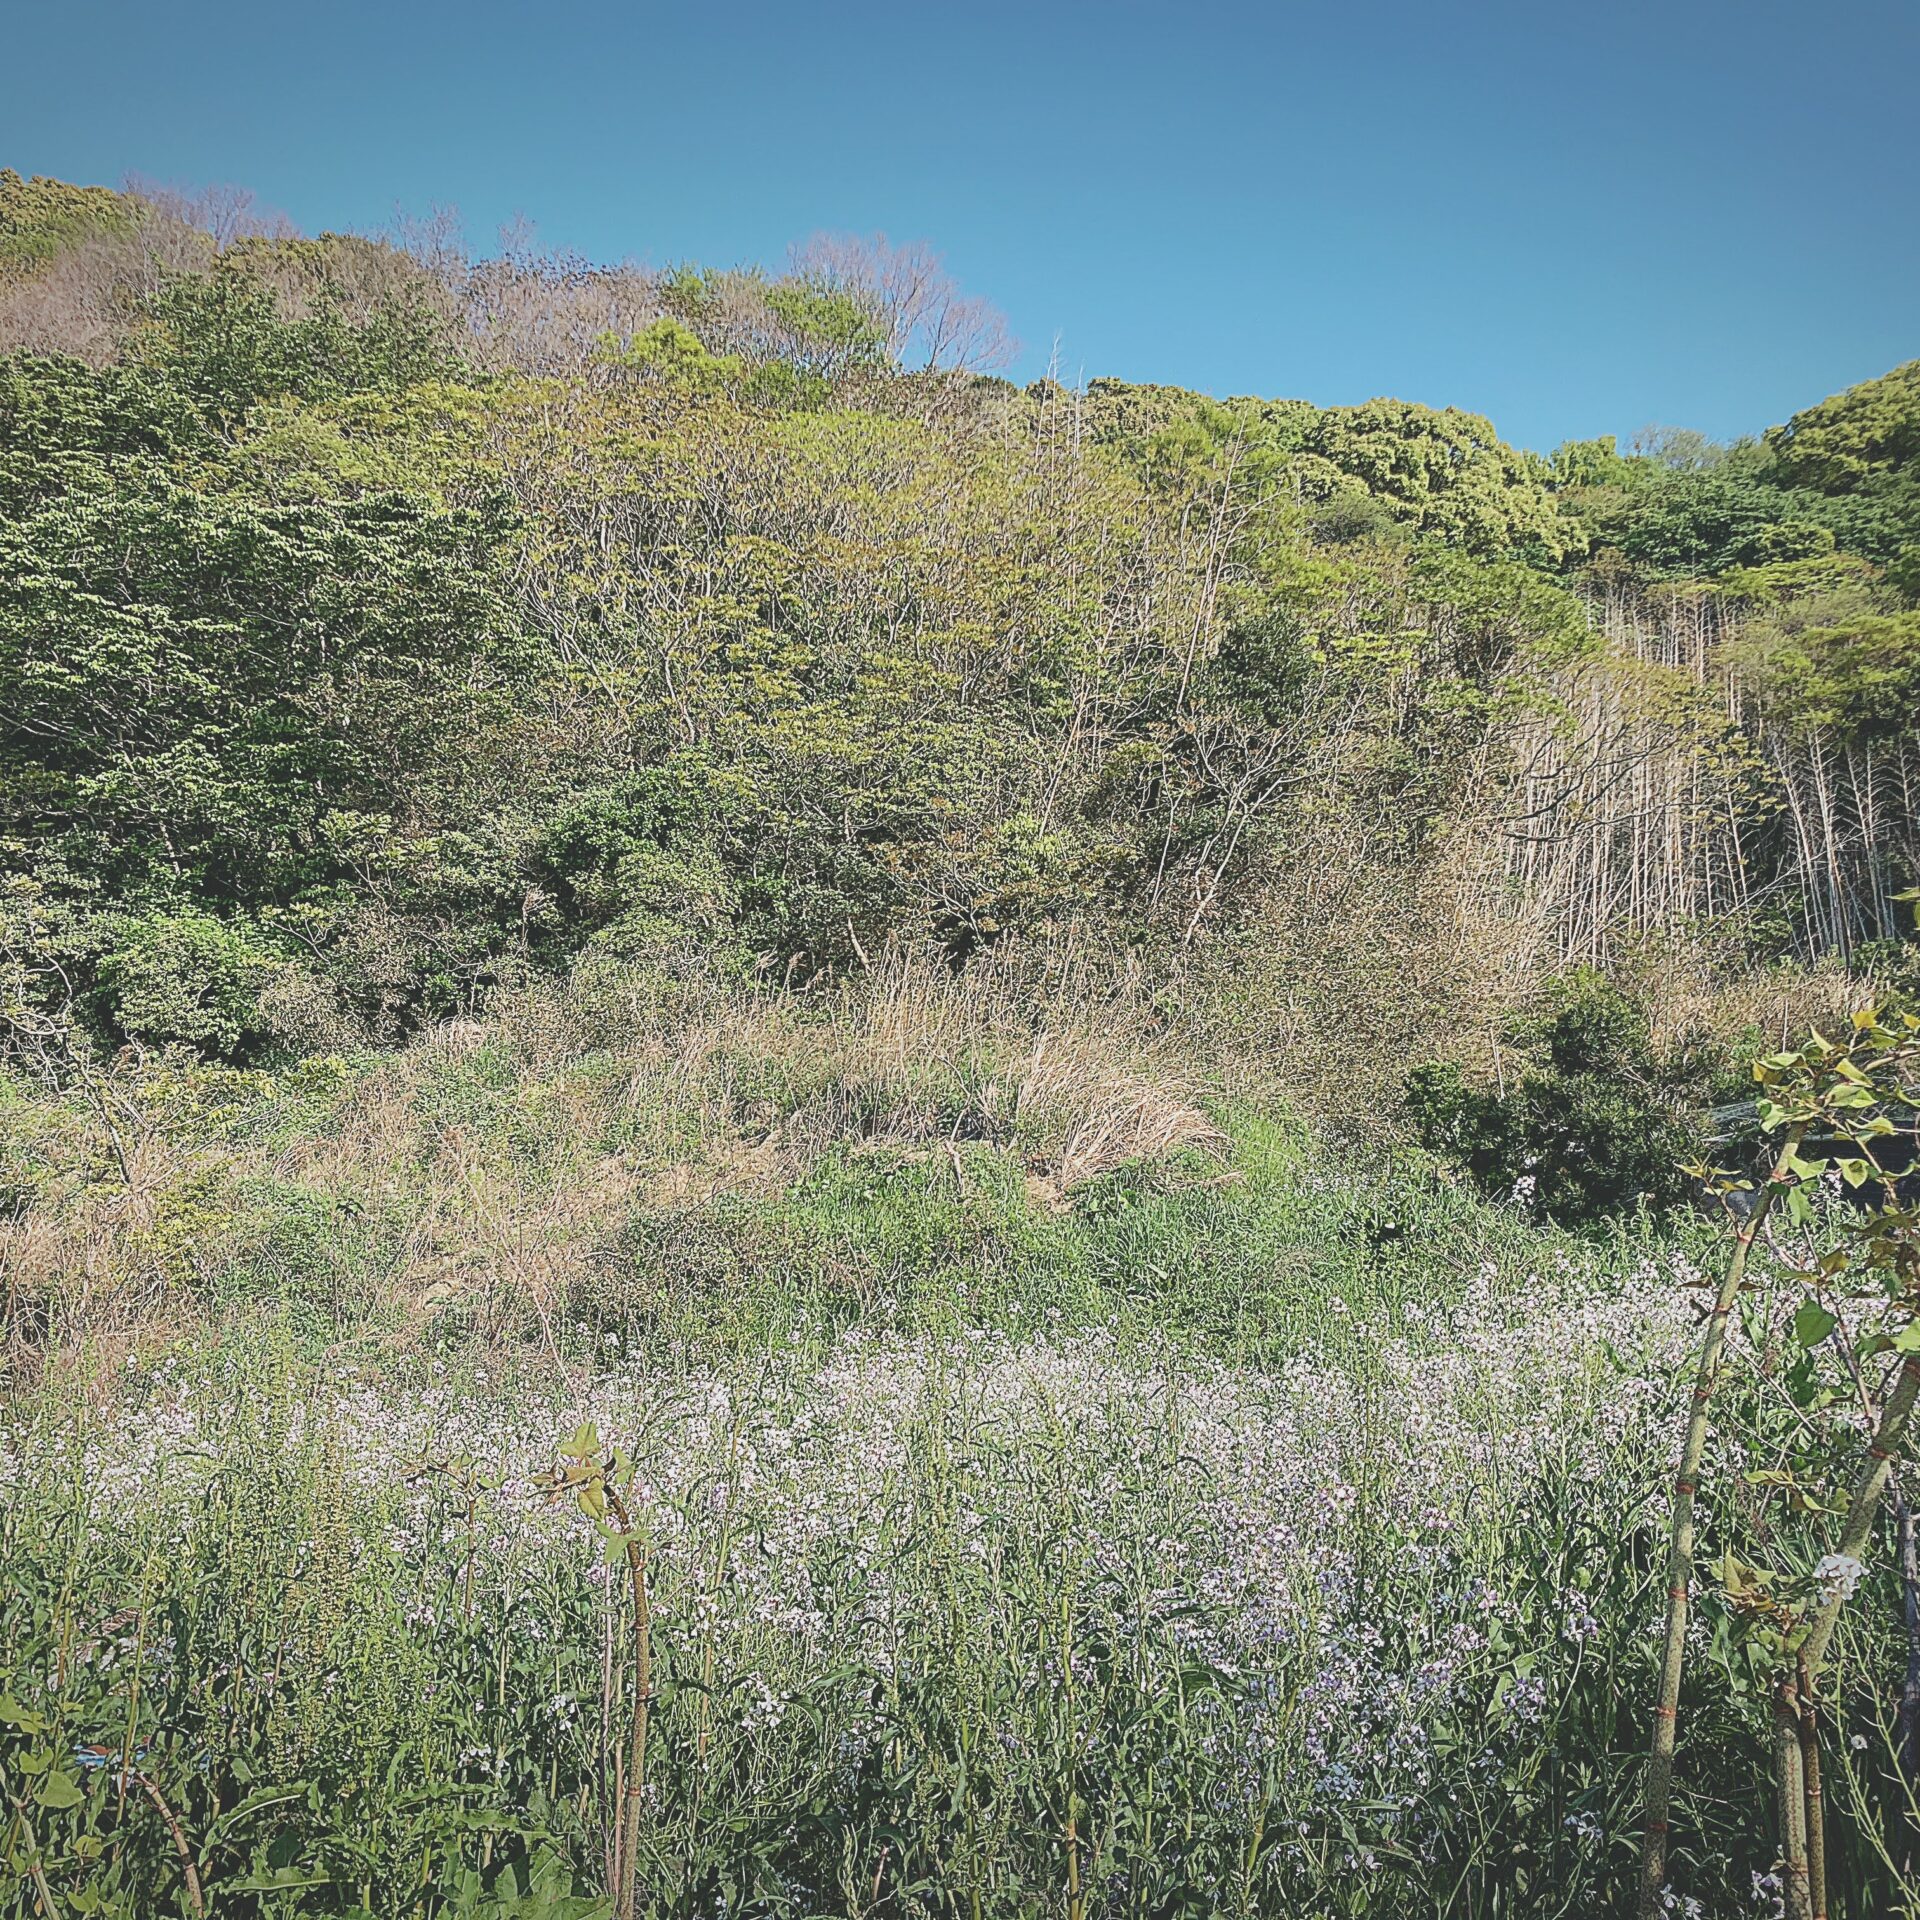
(815, 328)
(1859, 678)
(1868, 432)
(40, 218)
(1448, 474)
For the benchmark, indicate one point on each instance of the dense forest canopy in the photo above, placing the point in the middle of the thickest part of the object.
(378, 624)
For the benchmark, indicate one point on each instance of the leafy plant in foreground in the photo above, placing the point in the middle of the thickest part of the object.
(597, 1477)
(1841, 1096)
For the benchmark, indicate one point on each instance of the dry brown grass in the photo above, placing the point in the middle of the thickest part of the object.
(1347, 970)
(914, 1054)
(503, 1159)
(1690, 994)
(505, 1169)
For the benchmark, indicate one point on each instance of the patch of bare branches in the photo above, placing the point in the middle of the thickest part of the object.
(932, 324)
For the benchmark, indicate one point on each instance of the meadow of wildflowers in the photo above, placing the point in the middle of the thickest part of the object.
(978, 1622)
(1054, 1499)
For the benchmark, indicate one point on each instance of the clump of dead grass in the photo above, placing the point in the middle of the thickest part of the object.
(506, 1156)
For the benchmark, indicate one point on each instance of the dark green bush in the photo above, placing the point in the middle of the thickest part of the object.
(1594, 1122)
(186, 978)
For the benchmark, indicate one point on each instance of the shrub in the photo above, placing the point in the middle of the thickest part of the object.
(1595, 1123)
(186, 978)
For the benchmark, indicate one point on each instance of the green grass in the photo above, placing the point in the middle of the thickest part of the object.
(1256, 1525)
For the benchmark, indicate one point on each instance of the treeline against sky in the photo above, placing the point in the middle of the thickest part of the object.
(379, 625)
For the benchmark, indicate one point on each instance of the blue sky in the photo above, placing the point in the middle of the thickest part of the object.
(1577, 219)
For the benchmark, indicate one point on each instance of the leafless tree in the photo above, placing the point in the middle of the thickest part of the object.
(530, 310)
(225, 214)
(932, 324)
(436, 239)
(84, 300)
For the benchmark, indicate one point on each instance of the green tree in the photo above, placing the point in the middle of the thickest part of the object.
(184, 978)
(273, 321)
(198, 690)
(1869, 431)
(1448, 474)
(1859, 677)
(40, 218)
(1593, 1119)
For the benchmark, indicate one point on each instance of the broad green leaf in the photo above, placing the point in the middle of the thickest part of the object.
(1812, 1323)
(60, 1790)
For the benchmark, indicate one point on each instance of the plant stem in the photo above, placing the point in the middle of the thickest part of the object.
(1666, 1712)
(1907, 1740)
(195, 1897)
(1815, 1811)
(633, 1808)
(1073, 1863)
(1799, 1776)
(1790, 1786)
(1863, 1506)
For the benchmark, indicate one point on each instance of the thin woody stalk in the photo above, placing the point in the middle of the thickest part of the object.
(1816, 1819)
(1908, 1744)
(1666, 1712)
(1790, 1790)
(1799, 1786)
(633, 1809)
(1864, 1497)
(1869, 1486)
(196, 1898)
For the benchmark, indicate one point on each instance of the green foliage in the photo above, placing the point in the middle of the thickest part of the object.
(223, 702)
(736, 638)
(229, 339)
(1596, 463)
(1447, 473)
(185, 979)
(41, 218)
(1593, 1122)
(1441, 473)
(206, 687)
(823, 333)
(635, 867)
(1840, 475)
(1861, 679)
(1866, 432)
(673, 353)
(63, 425)
(1704, 523)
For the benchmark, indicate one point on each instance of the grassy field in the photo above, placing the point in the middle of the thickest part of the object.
(1061, 1490)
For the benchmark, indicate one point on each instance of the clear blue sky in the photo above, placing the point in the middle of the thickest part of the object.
(1578, 218)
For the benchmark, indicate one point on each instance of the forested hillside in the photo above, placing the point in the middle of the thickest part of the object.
(670, 847)
(379, 627)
